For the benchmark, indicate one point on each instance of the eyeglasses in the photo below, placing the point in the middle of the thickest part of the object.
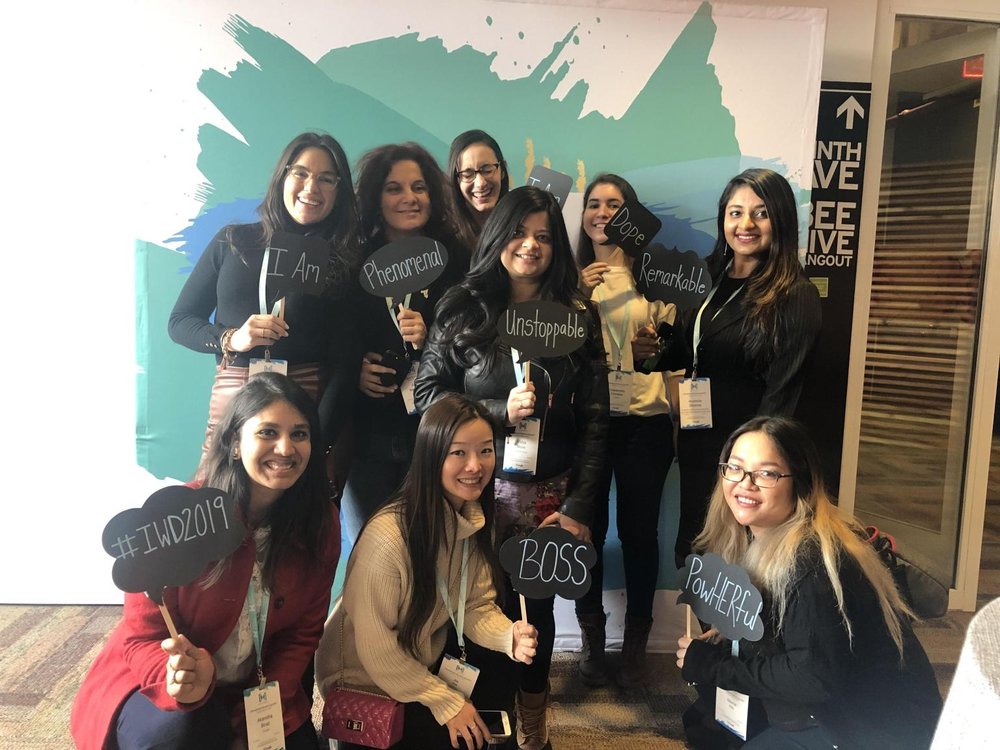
(302, 175)
(763, 478)
(468, 175)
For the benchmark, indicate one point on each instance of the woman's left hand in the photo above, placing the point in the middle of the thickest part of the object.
(525, 641)
(411, 325)
(468, 725)
(579, 530)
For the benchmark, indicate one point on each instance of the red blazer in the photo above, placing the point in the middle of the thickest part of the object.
(133, 660)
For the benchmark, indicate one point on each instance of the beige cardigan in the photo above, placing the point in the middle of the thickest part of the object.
(375, 597)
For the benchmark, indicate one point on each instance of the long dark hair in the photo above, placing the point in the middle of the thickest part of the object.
(426, 518)
(372, 170)
(585, 254)
(341, 227)
(468, 225)
(301, 516)
(468, 313)
(763, 327)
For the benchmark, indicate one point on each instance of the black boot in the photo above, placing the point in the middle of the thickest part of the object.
(632, 672)
(593, 670)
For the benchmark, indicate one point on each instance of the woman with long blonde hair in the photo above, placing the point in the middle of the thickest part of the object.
(838, 664)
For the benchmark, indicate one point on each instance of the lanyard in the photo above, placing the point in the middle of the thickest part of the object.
(457, 618)
(618, 342)
(515, 355)
(262, 285)
(392, 316)
(696, 339)
(258, 617)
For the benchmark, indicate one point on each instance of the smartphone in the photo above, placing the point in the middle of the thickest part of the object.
(398, 362)
(499, 725)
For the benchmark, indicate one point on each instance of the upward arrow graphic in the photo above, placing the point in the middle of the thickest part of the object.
(852, 108)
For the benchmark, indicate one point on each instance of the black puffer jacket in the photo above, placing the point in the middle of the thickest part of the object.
(571, 396)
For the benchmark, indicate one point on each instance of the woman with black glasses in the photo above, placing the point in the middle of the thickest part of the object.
(479, 179)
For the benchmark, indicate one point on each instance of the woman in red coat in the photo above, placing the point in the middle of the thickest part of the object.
(148, 689)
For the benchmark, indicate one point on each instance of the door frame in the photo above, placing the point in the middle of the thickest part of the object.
(963, 595)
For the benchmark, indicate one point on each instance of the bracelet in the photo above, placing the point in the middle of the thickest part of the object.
(228, 354)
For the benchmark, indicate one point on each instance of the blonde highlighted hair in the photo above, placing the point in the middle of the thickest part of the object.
(771, 558)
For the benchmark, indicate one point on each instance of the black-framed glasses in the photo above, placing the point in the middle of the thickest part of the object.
(487, 170)
(763, 478)
(300, 174)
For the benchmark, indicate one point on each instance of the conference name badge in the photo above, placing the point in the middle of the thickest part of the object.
(459, 675)
(696, 403)
(732, 710)
(257, 366)
(265, 726)
(620, 390)
(520, 450)
(406, 389)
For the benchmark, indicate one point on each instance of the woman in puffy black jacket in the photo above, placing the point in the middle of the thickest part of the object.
(524, 254)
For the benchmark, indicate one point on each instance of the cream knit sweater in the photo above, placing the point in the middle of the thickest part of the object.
(375, 597)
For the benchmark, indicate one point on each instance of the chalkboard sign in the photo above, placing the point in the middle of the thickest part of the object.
(721, 595)
(550, 180)
(672, 276)
(403, 267)
(631, 228)
(542, 328)
(296, 263)
(548, 561)
(171, 538)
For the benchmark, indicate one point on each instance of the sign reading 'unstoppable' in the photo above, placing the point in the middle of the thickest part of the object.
(540, 328)
(403, 267)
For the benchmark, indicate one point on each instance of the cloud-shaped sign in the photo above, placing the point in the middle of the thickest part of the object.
(722, 595)
(542, 328)
(403, 267)
(171, 538)
(672, 276)
(548, 561)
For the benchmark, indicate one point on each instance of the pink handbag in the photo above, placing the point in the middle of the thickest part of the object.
(362, 718)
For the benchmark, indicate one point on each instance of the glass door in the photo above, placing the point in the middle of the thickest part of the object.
(928, 283)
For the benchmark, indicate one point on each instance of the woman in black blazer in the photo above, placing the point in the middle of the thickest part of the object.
(749, 339)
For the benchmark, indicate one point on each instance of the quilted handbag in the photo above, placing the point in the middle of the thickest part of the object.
(362, 718)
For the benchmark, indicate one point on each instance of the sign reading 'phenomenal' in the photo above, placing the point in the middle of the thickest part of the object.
(171, 538)
(403, 267)
(541, 328)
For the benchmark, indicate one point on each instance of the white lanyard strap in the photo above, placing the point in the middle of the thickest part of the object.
(457, 618)
(262, 286)
(393, 313)
(515, 356)
(696, 338)
(258, 618)
(617, 342)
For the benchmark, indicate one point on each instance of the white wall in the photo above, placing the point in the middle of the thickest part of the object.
(82, 186)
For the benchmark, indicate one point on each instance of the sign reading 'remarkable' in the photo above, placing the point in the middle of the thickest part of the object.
(171, 539)
(722, 595)
(403, 267)
(672, 276)
(542, 328)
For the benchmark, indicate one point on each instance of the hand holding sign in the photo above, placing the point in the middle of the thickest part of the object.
(547, 562)
(632, 227)
(672, 276)
(722, 595)
(170, 539)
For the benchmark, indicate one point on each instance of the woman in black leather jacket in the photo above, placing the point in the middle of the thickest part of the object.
(524, 254)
